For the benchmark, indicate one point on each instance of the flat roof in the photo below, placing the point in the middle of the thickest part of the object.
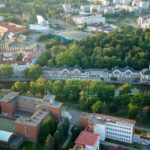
(35, 119)
(5, 136)
(75, 35)
(102, 119)
(10, 96)
(27, 99)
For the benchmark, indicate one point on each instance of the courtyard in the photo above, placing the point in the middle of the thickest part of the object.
(7, 125)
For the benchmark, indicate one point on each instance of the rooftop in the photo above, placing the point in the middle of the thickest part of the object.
(35, 119)
(11, 27)
(102, 119)
(75, 35)
(10, 96)
(87, 138)
(5, 136)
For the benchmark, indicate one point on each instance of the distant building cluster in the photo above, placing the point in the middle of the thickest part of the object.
(13, 42)
(12, 37)
(122, 74)
(10, 57)
(91, 16)
(144, 22)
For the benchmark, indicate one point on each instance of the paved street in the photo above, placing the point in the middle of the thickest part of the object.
(117, 145)
(75, 115)
(143, 129)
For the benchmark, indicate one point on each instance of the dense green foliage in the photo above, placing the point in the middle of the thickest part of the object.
(122, 47)
(94, 96)
(48, 127)
(33, 72)
(6, 71)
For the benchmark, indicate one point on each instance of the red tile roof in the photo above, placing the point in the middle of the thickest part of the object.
(107, 117)
(87, 138)
(11, 27)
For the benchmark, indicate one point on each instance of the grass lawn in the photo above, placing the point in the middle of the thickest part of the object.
(7, 125)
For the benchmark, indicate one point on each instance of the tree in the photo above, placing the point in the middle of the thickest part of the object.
(33, 88)
(41, 85)
(49, 143)
(132, 111)
(71, 90)
(61, 132)
(46, 129)
(90, 100)
(33, 72)
(56, 139)
(19, 57)
(126, 88)
(57, 89)
(96, 88)
(97, 107)
(49, 85)
(6, 70)
(21, 87)
(1, 86)
(145, 115)
(45, 56)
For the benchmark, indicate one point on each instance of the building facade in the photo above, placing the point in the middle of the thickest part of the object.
(89, 20)
(14, 105)
(109, 127)
(76, 72)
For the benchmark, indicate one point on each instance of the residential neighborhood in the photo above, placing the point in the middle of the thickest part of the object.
(75, 74)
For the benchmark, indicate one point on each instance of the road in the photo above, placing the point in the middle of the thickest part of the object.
(142, 129)
(77, 113)
(117, 145)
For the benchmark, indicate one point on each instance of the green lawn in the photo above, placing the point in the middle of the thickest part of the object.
(7, 125)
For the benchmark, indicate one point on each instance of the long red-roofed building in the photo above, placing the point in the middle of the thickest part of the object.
(110, 127)
(11, 27)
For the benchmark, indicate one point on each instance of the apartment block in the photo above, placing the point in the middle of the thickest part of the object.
(109, 127)
(29, 112)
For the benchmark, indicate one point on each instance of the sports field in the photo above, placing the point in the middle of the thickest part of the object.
(7, 125)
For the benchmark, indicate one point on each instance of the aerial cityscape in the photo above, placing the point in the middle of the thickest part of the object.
(75, 74)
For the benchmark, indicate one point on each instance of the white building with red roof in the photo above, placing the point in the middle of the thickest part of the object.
(110, 127)
(87, 141)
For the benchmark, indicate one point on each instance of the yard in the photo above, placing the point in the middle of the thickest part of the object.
(7, 125)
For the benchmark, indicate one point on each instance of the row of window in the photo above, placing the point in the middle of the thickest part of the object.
(117, 134)
(119, 127)
(112, 129)
(118, 139)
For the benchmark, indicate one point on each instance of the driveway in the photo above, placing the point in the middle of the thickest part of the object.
(75, 115)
